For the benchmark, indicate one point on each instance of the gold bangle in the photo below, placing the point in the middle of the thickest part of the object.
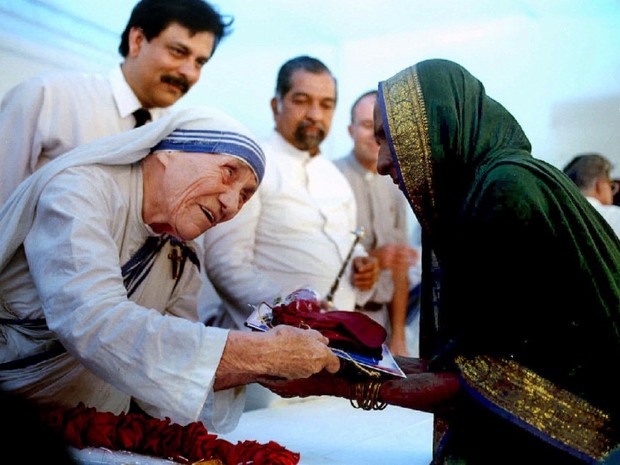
(366, 395)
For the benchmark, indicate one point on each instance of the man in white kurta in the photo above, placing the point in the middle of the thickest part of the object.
(298, 230)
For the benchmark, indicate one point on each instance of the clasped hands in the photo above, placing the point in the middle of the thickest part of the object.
(365, 272)
(396, 257)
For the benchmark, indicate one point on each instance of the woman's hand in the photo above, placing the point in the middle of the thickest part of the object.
(320, 384)
(420, 390)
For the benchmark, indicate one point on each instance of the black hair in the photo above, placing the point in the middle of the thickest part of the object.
(153, 16)
(303, 62)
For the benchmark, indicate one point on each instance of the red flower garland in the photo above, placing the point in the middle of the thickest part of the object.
(83, 427)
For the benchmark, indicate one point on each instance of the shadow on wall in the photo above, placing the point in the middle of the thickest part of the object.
(591, 125)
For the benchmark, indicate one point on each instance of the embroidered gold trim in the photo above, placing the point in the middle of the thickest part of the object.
(538, 402)
(408, 125)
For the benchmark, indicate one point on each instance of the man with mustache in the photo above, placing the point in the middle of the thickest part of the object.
(165, 45)
(299, 227)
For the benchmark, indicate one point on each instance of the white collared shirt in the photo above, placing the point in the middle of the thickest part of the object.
(611, 213)
(48, 115)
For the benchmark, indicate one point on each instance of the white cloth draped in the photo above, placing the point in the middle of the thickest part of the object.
(77, 220)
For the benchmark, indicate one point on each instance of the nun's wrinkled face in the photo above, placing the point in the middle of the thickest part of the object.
(197, 191)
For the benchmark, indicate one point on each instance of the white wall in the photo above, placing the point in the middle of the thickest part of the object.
(560, 79)
(558, 75)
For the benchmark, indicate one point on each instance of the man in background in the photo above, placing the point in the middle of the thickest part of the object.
(381, 211)
(591, 172)
(165, 45)
(299, 227)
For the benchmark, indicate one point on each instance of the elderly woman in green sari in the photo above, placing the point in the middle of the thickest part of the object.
(520, 317)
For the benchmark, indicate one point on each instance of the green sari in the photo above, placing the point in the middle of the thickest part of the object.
(521, 277)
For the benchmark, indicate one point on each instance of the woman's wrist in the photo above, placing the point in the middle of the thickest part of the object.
(366, 395)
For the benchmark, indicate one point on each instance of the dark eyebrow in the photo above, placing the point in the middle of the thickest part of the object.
(178, 44)
(304, 94)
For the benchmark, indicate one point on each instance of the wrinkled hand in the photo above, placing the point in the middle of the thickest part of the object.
(395, 256)
(297, 353)
(365, 272)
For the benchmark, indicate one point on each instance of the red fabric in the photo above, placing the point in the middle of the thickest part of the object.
(350, 331)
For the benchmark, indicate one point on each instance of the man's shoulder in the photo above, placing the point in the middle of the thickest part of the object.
(64, 81)
(345, 165)
(612, 211)
(342, 162)
(329, 164)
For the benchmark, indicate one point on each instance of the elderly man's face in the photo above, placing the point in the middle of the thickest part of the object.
(198, 191)
(304, 115)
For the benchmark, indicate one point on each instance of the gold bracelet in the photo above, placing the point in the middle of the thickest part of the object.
(366, 395)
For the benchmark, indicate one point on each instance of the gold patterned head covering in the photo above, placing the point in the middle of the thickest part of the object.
(441, 126)
(494, 217)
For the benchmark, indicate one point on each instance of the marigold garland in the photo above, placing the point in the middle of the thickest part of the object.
(83, 427)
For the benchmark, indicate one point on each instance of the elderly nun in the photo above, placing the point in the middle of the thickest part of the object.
(99, 278)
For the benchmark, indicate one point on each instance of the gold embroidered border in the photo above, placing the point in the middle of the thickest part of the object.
(408, 125)
(555, 412)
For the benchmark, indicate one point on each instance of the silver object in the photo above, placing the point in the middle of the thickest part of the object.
(359, 233)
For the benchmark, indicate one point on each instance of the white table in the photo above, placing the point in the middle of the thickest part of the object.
(324, 430)
(330, 431)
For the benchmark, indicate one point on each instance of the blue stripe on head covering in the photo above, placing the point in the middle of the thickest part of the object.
(217, 141)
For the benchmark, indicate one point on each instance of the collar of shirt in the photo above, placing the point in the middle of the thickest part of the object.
(285, 147)
(594, 201)
(124, 98)
(368, 175)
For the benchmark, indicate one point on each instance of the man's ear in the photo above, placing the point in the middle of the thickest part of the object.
(136, 39)
(601, 187)
(275, 106)
(350, 129)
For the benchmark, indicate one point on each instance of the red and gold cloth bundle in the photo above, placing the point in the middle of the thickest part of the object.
(348, 331)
